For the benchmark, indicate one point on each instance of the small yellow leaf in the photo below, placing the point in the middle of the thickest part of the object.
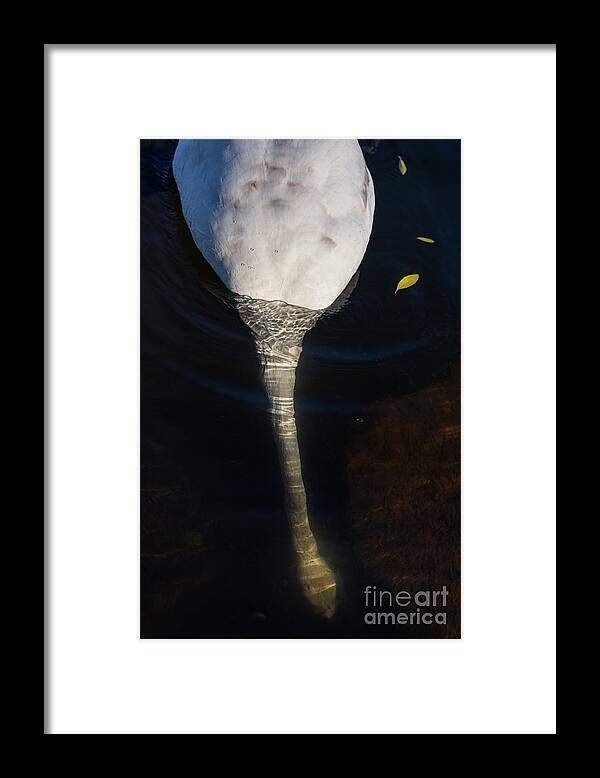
(407, 281)
(402, 166)
(426, 240)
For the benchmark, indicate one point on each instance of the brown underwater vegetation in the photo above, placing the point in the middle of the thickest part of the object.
(404, 496)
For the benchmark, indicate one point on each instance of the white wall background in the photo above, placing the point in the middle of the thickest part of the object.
(500, 677)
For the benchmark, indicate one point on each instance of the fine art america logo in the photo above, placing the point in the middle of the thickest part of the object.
(424, 607)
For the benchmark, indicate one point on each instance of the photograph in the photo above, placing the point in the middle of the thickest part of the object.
(300, 388)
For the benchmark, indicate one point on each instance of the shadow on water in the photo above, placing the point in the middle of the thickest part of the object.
(217, 559)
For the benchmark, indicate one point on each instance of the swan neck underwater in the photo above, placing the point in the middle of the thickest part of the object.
(285, 225)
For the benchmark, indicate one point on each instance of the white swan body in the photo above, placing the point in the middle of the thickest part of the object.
(278, 219)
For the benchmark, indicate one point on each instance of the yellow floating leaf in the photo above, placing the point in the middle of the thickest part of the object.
(402, 166)
(407, 281)
(426, 240)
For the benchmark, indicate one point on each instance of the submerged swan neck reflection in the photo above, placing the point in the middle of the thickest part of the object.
(279, 330)
(285, 225)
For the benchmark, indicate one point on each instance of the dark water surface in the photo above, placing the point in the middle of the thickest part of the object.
(377, 403)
